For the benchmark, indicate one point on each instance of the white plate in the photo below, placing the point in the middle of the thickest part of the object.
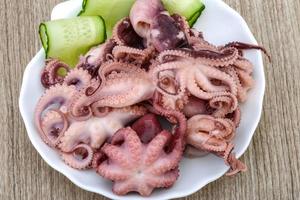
(220, 25)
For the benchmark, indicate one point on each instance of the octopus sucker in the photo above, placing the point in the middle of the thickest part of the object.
(154, 92)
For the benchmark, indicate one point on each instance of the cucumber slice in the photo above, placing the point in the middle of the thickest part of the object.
(111, 10)
(190, 9)
(67, 39)
(195, 17)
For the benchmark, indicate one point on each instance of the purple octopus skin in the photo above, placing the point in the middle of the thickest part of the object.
(153, 23)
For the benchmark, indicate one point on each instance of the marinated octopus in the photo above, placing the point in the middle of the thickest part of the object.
(104, 113)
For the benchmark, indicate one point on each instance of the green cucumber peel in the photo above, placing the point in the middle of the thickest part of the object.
(195, 17)
(111, 10)
(190, 9)
(67, 39)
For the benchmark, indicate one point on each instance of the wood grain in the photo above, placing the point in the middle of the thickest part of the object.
(273, 157)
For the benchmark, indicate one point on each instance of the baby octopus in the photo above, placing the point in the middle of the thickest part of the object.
(104, 113)
(140, 166)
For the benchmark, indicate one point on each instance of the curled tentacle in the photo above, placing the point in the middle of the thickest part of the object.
(80, 157)
(54, 124)
(223, 105)
(50, 76)
(235, 116)
(57, 97)
(206, 133)
(79, 78)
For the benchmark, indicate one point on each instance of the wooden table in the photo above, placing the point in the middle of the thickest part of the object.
(273, 156)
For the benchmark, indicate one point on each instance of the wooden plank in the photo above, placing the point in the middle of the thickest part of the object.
(273, 156)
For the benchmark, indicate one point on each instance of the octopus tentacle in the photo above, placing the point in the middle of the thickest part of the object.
(164, 181)
(209, 133)
(156, 147)
(245, 46)
(247, 81)
(98, 158)
(243, 64)
(235, 116)
(156, 72)
(204, 82)
(54, 124)
(172, 55)
(236, 166)
(220, 76)
(58, 96)
(116, 155)
(132, 143)
(223, 58)
(132, 55)
(118, 92)
(79, 78)
(95, 131)
(198, 92)
(206, 142)
(241, 92)
(180, 118)
(80, 158)
(116, 173)
(109, 68)
(224, 105)
(50, 76)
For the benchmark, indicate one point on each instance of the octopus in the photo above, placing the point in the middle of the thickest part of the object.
(214, 135)
(106, 113)
(149, 164)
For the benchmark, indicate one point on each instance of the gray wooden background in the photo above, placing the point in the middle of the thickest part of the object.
(273, 157)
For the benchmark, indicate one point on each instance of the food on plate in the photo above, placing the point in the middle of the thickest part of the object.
(107, 112)
(190, 9)
(114, 10)
(67, 39)
(111, 10)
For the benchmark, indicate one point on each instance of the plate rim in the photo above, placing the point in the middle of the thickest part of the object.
(103, 192)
